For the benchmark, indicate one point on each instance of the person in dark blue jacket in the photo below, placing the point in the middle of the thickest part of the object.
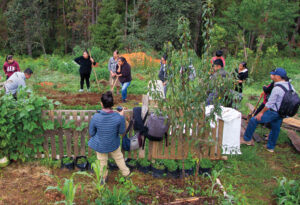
(105, 129)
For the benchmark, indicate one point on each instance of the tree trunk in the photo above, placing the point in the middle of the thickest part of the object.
(126, 19)
(197, 30)
(27, 39)
(297, 31)
(258, 52)
(65, 28)
(93, 12)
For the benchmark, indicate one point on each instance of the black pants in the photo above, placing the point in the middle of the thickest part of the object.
(86, 77)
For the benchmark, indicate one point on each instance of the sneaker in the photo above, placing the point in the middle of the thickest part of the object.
(249, 143)
(269, 150)
(124, 101)
(81, 90)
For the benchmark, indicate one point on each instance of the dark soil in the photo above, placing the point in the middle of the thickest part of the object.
(26, 184)
(83, 98)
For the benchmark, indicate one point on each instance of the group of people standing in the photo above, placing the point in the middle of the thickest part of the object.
(119, 70)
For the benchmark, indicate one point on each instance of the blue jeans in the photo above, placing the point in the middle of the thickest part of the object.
(124, 90)
(268, 117)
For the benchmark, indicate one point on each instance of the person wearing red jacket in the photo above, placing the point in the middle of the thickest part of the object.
(10, 66)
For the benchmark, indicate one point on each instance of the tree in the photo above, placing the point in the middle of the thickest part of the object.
(28, 25)
(107, 32)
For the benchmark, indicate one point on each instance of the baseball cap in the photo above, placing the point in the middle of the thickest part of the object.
(279, 71)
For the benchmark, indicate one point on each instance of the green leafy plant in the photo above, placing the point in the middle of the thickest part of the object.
(118, 195)
(98, 178)
(21, 127)
(171, 165)
(205, 163)
(144, 162)
(158, 165)
(68, 188)
(287, 191)
(188, 164)
(92, 159)
(81, 160)
(67, 160)
(132, 163)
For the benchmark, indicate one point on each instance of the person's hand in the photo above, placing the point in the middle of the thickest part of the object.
(122, 112)
(258, 116)
(240, 81)
(92, 60)
(119, 69)
(113, 74)
(164, 83)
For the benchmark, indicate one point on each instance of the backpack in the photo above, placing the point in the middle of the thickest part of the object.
(290, 102)
(131, 143)
(135, 142)
(157, 128)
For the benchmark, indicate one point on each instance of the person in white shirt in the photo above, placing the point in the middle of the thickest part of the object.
(16, 81)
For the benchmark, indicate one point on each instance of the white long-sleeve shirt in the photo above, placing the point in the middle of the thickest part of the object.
(14, 82)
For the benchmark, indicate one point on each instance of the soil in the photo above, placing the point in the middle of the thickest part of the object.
(26, 184)
(139, 58)
(83, 98)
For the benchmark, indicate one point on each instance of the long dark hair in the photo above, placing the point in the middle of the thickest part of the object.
(244, 64)
(107, 99)
(123, 59)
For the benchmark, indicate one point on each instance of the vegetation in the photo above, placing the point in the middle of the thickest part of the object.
(287, 191)
(205, 163)
(67, 160)
(171, 165)
(144, 162)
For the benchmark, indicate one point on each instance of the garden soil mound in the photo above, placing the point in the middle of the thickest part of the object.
(140, 58)
(83, 98)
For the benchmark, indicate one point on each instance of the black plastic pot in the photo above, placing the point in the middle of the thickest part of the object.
(145, 170)
(158, 173)
(89, 167)
(83, 166)
(69, 166)
(112, 166)
(173, 174)
(188, 172)
(203, 171)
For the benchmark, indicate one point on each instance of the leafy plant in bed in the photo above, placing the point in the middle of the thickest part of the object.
(189, 166)
(158, 168)
(67, 162)
(205, 166)
(131, 163)
(144, 165)
(91, 160)
(81, 162)
(172, 168)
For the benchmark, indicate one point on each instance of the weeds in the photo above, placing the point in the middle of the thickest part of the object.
(287, 191)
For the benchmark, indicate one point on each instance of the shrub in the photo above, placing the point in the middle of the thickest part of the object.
(21, 124)
(205, 163)
(171, 165)
(287, 191)
(144, 162)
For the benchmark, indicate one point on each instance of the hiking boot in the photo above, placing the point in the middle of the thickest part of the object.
(81, 90)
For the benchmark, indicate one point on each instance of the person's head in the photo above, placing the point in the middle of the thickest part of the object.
(242, 65)
(116, 54)
(279, 74)
(121, 61)
(219, 53)
(218, 64)
(85, 54)
(28, 72)
(9, 59)
(107, 100)
(164, 59)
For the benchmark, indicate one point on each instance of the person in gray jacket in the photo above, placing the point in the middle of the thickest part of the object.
(163, 73)
(16, 81)
(269, 114)
(112, 68)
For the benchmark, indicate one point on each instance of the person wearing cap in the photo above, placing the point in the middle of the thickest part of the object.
(112, 68)
(16, 81)
(10, 66)
(219, 55)
(269, 114)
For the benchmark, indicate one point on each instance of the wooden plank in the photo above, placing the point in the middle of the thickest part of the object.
(52, 137)
(90, 151)
(60, 135)
(75, 134)
(82, 136)
(145, 105)
(220, 139)
(68, 134)
(292, 123)
(213, 148)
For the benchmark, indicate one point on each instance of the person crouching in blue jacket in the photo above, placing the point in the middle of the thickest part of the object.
(105, 129)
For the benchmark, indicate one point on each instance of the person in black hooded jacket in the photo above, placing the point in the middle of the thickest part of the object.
(85, 61)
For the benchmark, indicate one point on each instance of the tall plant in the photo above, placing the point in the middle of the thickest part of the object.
(185, 103)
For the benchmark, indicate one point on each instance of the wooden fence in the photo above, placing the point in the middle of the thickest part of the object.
(61, 142)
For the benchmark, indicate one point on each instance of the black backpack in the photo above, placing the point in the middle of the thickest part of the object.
(290, 102)
(138, 122)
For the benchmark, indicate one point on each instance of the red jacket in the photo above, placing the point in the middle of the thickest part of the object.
(10, 69)
(215, 58)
